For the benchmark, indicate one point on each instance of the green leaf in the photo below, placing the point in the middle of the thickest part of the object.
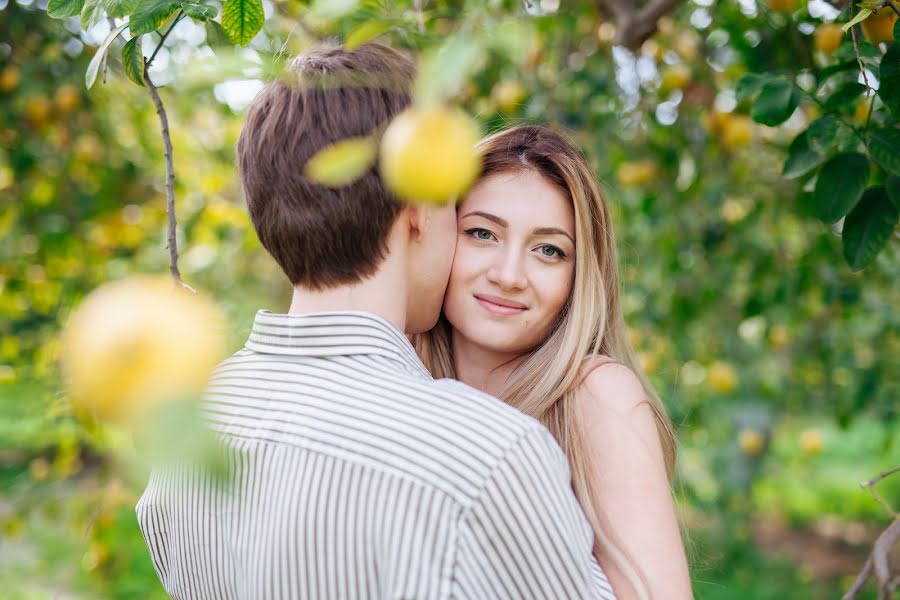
(151, 14)
(884, 146)
(118, 9)
(342, 163)
(893, 189)
(827, 72)
(199, 12)
(90, 76)
(92, 12)
(775, 104)
(242, 20)
(844, 95)
(822, 133)
(860, 16)
(889, 78)
(868, 228)
(802, 158)
(133, 60)
(841, 183)
(60, 9)
(365, 32)
(897, 31)
(216, 36)
(749, 84)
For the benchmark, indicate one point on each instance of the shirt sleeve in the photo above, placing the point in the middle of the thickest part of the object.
(526, 536)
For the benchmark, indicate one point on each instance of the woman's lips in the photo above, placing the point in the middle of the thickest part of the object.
(500, 306)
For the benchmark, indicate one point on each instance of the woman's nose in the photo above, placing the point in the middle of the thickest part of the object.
(507, 271)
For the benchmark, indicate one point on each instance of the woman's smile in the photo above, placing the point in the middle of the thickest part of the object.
(500, 306)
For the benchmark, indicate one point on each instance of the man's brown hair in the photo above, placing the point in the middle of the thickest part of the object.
(322, 236)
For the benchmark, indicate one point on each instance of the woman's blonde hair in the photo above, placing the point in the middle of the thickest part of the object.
(589, 326)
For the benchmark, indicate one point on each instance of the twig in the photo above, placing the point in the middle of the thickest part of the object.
(172, 243)
(856, 51)
(871, 485)
(890, 5)
(162, 38)
(880, 476)
(860, 580)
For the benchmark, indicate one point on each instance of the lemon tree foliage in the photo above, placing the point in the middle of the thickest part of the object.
(750, 169)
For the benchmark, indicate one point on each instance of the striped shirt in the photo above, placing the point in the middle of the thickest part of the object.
(355, 474)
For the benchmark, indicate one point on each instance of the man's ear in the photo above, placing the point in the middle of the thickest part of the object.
(419, 218)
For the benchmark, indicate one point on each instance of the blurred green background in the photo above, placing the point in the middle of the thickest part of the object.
(776, 360)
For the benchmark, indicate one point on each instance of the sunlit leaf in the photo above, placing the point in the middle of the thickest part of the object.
(216, 36)
(868, 227)
(133, 60)
(92, 12)
(329, 10)
(121, 8)
(365, 32)
(59, 9)
(860, 17)
(199, 12)
(841, 183)
(444, 70)
(151, 14)
(342, 163)
(90, 75)
(242, 20)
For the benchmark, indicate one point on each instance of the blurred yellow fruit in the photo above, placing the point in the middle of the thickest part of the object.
(879, 27)
(606, 33)
(751, 441)
(779, 336)
(737, 131)
(687, 45)
(633, 174)
(136, 343)
(67, 98)
(674, 77)
(722, 377)
(508, 95)
(783, 6)
(9, 78)
(39, 469)
(428, 154)
(812, 442)
(37, 110)
(861, 113)
(827, 37)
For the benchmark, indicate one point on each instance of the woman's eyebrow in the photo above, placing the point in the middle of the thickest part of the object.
(488, 216)
(552, 231)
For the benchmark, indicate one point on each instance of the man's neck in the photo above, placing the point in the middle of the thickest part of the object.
(383, 294)
(480, 367)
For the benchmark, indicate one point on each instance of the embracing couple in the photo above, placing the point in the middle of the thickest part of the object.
(451, 408)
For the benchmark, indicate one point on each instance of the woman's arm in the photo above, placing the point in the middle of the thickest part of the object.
(630, 482)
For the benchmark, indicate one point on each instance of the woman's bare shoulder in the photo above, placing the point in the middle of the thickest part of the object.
(607, 384)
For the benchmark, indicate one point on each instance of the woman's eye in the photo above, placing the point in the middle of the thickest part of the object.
(479, 234)
(551, 251)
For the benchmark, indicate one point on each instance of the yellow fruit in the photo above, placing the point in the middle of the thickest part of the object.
(783, 6)
(737, 131)
(67, 98)
(687, 45)
(812, 442)
(779, 336)
(9, 78)
(861, 113)
(751, 441)
(508, 95)
(37, 110)
(428, 154)
(136, 343)
(722, 377)
(827, 37)
(674, 77)
(879, 27)
(638, 173)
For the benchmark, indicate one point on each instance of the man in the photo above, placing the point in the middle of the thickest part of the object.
(352, 473)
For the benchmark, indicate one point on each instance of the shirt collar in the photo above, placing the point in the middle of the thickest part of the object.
(338, 333)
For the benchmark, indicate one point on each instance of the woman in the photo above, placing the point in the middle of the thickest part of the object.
(532, 315)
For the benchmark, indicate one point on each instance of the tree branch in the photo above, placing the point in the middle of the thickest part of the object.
(172, 243)
(635, 25)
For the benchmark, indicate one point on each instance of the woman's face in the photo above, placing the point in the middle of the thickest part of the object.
(514, 263)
